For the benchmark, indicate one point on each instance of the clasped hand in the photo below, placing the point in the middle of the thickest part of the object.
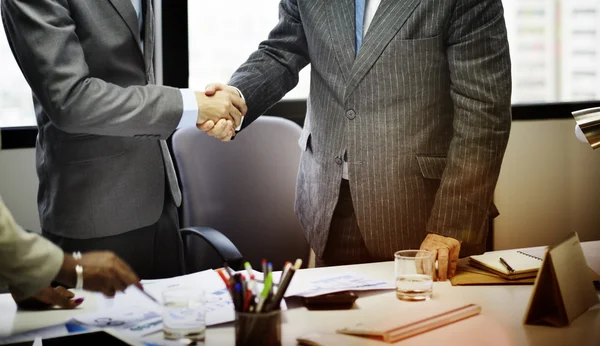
(220, 111)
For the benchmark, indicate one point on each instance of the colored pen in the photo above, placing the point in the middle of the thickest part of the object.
(237, 301)
(223, 277)
(264, 268)
(229, 271)
(270, 272)
(252, 284)
(248, 268)
(287, 265)
(276, 301)
(265, 292)
(506, 265)
(147, 295)
(247, 300)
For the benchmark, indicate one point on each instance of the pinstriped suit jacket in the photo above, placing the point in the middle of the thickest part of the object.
(423, 112)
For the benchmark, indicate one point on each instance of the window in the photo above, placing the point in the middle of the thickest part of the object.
(554, 45)
(222, 34)
(16, 103)
(555, 49)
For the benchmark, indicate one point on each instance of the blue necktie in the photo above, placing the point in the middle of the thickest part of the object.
(359, 5)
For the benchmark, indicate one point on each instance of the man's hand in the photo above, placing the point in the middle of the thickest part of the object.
(221, 130)
(221, 104)
(49, 297)
(102, 272)
(445, 250)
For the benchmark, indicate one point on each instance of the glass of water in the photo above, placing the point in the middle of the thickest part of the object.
(184, 316)
(414, 274)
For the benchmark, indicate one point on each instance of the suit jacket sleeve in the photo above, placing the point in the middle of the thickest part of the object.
(28, 262)
(480, 73)
(272, 70)
(43, 38)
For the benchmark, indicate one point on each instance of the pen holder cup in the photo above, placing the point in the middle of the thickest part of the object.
(258, 328)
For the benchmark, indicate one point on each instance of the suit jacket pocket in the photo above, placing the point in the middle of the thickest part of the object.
(90, 148)
(432, 167)
(419, 48)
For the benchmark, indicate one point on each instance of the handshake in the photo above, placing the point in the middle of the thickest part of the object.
(220, 111)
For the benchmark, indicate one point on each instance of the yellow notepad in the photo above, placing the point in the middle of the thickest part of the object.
(524, 265)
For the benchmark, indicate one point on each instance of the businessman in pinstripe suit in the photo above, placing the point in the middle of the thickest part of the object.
(407, 123)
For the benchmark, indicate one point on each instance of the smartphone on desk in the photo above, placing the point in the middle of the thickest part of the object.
(332, 301)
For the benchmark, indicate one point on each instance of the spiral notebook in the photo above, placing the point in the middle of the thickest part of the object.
(524, 265)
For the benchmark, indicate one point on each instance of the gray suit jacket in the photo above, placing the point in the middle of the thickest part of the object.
(423, 112)
(28, 262)
(101, 154)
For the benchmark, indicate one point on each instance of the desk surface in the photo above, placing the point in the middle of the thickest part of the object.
(500, 322)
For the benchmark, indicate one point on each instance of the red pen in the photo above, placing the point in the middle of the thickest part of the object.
(247, 299)
(223, 277)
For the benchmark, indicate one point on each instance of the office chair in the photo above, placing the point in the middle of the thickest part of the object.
(244, 188)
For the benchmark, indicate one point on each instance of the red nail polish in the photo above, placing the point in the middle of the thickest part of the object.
(79, 300)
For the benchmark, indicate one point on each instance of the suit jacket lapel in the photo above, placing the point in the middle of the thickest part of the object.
(149, 41)
(127, 12)
(341, 25)
(389, 18)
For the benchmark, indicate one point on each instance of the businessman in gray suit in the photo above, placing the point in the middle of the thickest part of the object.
(407, 123)
(107, 180)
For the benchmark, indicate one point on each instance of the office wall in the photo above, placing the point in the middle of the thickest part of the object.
(548, 187)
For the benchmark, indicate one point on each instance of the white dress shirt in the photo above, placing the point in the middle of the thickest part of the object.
(190, 105)
(371, 8)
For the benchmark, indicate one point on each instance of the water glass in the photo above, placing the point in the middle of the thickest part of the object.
(414, 274)
(184, 314)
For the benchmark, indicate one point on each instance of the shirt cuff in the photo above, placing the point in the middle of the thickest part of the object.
(190, 109)
(242, 96)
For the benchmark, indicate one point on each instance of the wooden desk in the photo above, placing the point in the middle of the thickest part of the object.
(500, 322)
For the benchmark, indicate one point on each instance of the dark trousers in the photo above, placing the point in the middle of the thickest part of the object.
(153, 252)
(345, 244)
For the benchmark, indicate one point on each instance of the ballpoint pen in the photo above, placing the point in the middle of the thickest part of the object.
(286, 266)
(265, 292)
(223, 277)
(238, 299)
(506, 265)
(228, 270)
(141, 289)
(248, 268)
(278, 297)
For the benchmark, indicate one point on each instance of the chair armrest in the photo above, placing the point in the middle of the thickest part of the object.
(228, 252)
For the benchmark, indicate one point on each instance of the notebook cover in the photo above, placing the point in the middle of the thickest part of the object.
(397, 326)
(467, 275)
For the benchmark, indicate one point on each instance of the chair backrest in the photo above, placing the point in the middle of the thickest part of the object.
(244, 189)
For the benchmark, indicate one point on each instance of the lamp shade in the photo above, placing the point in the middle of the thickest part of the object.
(588, 121)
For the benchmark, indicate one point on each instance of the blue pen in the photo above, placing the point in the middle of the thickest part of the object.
(270, 272)
(237, 297)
